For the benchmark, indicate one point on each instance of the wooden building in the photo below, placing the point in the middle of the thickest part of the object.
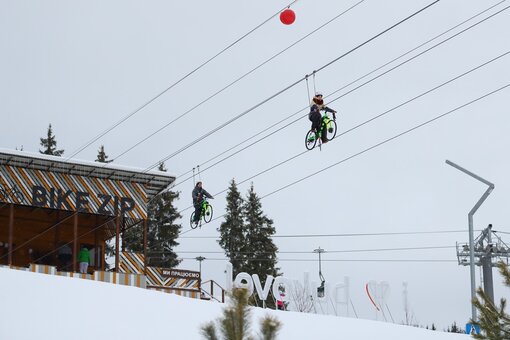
(52, 205)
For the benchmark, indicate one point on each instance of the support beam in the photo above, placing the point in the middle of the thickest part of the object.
(75, 242)
(117, 243)
(97, 251)
(11, 233)
(56, 242)
(145, 247)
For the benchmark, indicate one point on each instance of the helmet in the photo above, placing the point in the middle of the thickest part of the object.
(317, 94)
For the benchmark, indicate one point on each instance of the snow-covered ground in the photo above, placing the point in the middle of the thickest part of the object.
(39, 306)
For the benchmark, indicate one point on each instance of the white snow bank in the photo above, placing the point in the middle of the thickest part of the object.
(38, 306)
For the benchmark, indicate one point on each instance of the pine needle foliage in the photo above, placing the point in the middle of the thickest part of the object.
(49, 144)
(259, 246)
(232, 234)
(269, 328)
(235, 323)
(494, 322)
(101, 156)
(162, 231)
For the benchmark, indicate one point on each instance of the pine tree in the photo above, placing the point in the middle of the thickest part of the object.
(162, 231)
(232, 235)
(454, 329)
(259, 245)
(235, 321)
(101, 156)
(50, 144)
(494, 322)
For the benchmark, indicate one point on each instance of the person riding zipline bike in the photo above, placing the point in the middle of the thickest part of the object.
(315, 117)
(198, 194)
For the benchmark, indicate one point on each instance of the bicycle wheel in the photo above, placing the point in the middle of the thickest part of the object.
(310, 140)
(330, 130)
(208, 213)
(192, 223)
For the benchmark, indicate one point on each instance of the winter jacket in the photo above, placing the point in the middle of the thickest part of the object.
(84, 256)
(198, 193)
(317, 106)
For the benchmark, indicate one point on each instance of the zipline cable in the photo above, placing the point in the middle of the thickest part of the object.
(232, 83)
(363, 123)
(86, 145)
(376, 145)
(443, 33)
(286, 88)
(365, 83)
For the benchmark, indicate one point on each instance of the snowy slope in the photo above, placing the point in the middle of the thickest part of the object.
(38, 306)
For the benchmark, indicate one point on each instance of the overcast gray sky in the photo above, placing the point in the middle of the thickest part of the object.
(83, 65)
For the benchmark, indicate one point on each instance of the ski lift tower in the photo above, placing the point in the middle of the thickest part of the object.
(489, 249)
(470, 223)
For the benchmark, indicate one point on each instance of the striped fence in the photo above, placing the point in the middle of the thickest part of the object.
(76, 275)
(43, 269)
(187, 293)
(187, 284)
(13, 267)
(126, 279)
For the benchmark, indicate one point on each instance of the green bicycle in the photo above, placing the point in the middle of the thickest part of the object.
(328, 125)
(206, 213)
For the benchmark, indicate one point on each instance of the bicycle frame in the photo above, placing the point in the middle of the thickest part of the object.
(204, 207)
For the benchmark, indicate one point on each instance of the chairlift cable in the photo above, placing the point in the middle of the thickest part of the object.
(428, 232)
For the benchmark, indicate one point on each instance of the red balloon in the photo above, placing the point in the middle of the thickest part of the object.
(288, 16)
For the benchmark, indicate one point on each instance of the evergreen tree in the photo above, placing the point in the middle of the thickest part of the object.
(455, 329)
(101, 156)
(235, 321)
(162, 231)
(259, 245)
(49, 144)
(232, 235)
(494, 322)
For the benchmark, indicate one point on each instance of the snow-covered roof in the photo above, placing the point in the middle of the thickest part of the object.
(155, 181)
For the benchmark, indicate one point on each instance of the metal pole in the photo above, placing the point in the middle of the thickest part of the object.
(319, 250)
(200, 259)
(471, 238)
(488, 285)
